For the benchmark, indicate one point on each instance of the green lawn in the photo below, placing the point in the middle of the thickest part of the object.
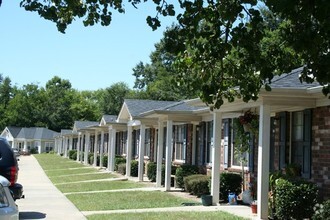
(58, 170)
(125, 200)
(102, 185)
(77, 178)
(67, 171)
(166, 216)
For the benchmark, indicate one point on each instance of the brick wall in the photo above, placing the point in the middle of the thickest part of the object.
(321, 150)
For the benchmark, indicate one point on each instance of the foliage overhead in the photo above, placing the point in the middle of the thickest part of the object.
(225, 44)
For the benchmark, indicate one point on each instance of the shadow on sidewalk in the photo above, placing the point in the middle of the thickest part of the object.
(31, 215)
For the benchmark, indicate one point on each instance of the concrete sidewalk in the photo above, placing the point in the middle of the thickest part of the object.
(42, 199)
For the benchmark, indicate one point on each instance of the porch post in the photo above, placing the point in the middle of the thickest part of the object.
(112, 149)
(70, 142)
(168, 163)
(65, 146)
(101, 148)
(95, 148)
(129, 151)
(263, 161)
(87, 145)
(78, 147)
(160, 153)
(216, 155)
(141, 151)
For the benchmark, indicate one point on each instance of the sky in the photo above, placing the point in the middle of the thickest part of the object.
(33, 51)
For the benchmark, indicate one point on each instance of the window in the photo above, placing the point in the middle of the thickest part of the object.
(301, 141)
(49, 146)
(180, 142)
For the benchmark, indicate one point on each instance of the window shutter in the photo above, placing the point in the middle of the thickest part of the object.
(306, 169)
(226, 136)
(282, 120)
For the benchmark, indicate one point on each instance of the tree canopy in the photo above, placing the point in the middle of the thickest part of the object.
(224, 44)
(57, 105)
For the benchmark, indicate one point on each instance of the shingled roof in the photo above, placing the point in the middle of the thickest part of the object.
(109, 118)
(84, 124)
(32, 133)
(291, 80)
(139, 106)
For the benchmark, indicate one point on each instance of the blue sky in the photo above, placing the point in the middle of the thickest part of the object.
(33, 51)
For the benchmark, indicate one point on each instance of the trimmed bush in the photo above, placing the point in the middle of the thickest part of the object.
(71, 152)
(121, 168)
(105, 161)
(152, 171)
(74, 156)
(295, 198)
(183, 171)
(230, 182)
(322, 211)
(134, 168)
(119, 160)
(197, 184)
(173, 171)
(90, 158)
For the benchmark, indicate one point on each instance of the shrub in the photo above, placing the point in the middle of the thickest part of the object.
(74, 156)
(197, 184)
(134, 168)
(121, 168)
(322, 211)
(71, 152)
(173, 172)
(183, 171)
(229, 182)
(295, 198)
(90, 158)
(105, 161)
(119, 160)
(33, 150)
(152, 171)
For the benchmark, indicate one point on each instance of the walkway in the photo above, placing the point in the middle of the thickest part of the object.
(42, 199)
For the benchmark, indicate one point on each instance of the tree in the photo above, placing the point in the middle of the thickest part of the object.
(158, 79)
(112, 98)
(85, 106)
(26, 108)
(227, 43)
(60, 97)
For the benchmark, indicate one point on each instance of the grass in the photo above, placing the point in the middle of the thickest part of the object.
(166, 216)
(77, 178)
(62, 172)
(125, 200)
(58, 170)
(102, 185)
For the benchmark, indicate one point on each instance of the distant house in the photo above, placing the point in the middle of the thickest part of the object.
(25, 139)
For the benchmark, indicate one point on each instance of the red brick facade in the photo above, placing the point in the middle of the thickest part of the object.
(321, 150)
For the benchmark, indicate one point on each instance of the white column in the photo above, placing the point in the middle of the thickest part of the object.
(25, 149)
(142, 145)
(263, 161)
(95, 148)
(101, 148)
(112, 149)
(71, 143)
(160, 153)
(194, 146)
(78, 147)
(129, 151)
(87, 145)
(216, 155)
(168, 163)
(109, 150)
(65, 146)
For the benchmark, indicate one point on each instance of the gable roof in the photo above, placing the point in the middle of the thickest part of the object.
(32, 133)
(136, 107)
(14, 130)
(109, 118)
(78, 125)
